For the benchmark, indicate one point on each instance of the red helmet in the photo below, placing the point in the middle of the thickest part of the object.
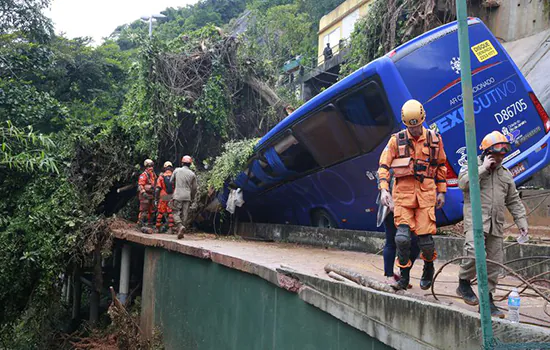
(187, 159)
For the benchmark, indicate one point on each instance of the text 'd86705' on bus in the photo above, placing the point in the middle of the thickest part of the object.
(317, 166)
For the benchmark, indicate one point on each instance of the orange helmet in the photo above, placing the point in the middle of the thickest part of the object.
(187, 159)
(495, 142)
(413, 113)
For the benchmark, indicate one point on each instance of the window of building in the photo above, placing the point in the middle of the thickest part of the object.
(367, 115)
(348, 23)
(326, 135)
(332, 38)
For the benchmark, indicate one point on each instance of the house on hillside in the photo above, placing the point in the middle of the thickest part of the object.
(335, 29)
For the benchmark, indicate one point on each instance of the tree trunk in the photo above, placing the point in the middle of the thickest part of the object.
(267, 94)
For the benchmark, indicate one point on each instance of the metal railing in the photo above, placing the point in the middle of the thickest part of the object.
(336, 49)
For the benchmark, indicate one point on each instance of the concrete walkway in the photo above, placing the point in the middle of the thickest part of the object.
(317, 288)
(312, 260)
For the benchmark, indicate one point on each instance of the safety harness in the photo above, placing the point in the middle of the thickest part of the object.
(406, 165)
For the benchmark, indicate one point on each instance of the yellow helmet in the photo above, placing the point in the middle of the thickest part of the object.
(148, 162)
(413, 113)
(168, 165)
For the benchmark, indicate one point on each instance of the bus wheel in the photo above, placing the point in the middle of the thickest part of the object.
(322, 218)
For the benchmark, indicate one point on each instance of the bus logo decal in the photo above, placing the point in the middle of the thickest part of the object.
(455, 65)
(484, 51)
(511, 135)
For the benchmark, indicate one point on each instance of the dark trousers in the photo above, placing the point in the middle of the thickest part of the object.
(390, 248)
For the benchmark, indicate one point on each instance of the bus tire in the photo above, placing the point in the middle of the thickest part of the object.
(322, 218)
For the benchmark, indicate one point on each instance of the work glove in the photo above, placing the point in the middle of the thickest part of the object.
(488, 162)
(386, 199)
(440, 200)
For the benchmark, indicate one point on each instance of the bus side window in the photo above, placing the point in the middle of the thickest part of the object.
(295, 156)
(367, 116)
(327, 137)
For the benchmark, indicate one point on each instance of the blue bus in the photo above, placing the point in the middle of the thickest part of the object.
(317, 166)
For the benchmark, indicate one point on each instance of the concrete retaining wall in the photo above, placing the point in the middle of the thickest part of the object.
(372, 242)
(514, 19)
(200, 304)
(201, 299)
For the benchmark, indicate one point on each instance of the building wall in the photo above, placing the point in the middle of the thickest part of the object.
(334, 20)
(515, 19)
(198, 304)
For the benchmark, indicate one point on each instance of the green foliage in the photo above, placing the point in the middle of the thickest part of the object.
(279, 34)
(232, 160)
(101, 157)
(213, 106)
(37, 240)
(366, 39)
(181, 20)
(22, 59)
(76, 121)
(24, 105)
(58, 98)
(87, 78)
(25, 16)
(25, 150)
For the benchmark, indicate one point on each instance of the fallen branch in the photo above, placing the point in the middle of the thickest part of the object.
(358, 278)
(340, 278)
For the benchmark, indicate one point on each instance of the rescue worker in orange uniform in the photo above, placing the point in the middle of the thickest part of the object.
(146, 188)
(417, 158)
(163, 195)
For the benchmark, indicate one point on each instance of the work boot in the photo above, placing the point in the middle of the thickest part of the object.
(495, 311)
(181, 230)
(466, 292)
(427, 275)
(403, 282)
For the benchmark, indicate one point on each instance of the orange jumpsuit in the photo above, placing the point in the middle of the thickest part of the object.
(146, 188)
(163, 210)
(414, 200)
